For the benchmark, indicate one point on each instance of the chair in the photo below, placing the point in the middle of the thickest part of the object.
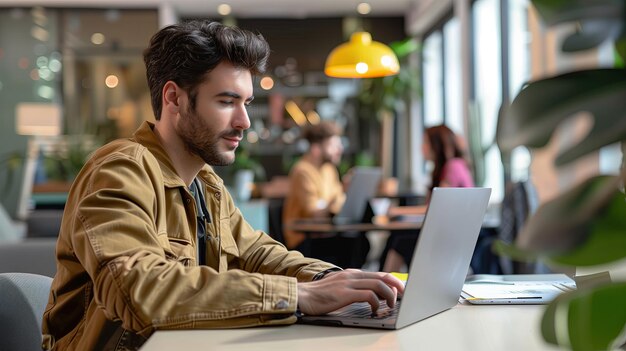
(31, 255)
(275, 214)
(24, 298)
(519, 203)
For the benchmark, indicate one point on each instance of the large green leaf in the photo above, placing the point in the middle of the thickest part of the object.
(559, 11)
(585, 226)
(597, 21)
(541, 106)
(591, 319)
(620, 49)
(592, 33)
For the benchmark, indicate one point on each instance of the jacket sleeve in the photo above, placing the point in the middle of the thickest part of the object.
(118, 235)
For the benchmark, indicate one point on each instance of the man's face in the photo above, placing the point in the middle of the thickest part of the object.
(213, 131)
(332, 150)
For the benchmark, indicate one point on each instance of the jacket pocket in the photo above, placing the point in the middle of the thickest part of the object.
(183, 250)
(229, 246)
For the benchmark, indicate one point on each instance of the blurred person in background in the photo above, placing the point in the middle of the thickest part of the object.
(450, 168)
(316, 191)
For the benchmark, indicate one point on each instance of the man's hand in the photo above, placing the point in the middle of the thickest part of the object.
(338, 289)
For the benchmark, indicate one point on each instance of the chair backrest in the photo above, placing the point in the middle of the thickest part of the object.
(23, 299)
(31, 255)
(275, 213)
(519, 203)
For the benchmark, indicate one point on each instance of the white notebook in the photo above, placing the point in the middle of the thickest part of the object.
(489, 289)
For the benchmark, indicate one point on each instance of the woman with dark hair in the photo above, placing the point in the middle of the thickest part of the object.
(450, 169)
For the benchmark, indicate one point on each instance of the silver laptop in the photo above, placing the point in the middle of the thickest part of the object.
(440, 264)
(363, 186)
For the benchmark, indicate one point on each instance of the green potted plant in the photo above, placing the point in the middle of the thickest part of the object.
(386, 95)
(585, 226)
(244, 172)
(384, 99)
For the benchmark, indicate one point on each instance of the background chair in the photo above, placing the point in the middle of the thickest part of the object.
(24, 297)
(519, 203)
(275, 213)
(32, 255)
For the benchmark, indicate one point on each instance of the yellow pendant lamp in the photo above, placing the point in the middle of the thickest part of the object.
(361, 58)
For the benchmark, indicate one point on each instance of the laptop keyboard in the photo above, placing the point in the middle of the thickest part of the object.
(364, 310)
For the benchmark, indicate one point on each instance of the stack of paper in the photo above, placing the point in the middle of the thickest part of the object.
(516, 288)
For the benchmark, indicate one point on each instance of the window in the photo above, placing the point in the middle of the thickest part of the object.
(452, 76)
(441, 67)
(488, 87)
(433, 79)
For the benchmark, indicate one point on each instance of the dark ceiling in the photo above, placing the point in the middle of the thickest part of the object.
(310, 40)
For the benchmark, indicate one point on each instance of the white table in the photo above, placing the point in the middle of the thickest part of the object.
(463, 327)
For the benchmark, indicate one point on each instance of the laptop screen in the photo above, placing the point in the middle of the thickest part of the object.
(363, 186)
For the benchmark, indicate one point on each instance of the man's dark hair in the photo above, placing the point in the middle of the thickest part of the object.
(317, 133)
(185, 52)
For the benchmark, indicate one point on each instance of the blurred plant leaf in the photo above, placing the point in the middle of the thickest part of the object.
(591, 34)
(244, 160)
(384, 94)
(587, 319)
(559, 11)
(586, 225)
(10, 162)
(594, 231)
(598, 21)
(620, 49)
(541, 106)
(404, 47)
(68, 157)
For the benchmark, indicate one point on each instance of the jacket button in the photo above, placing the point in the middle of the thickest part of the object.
(218, 195)
(188, 200)
(281, 305)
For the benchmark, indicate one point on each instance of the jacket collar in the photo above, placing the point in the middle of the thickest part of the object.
(146, 137)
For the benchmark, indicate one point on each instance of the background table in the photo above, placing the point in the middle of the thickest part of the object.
(328, 227)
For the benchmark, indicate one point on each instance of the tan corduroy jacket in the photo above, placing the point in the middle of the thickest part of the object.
(126, 256)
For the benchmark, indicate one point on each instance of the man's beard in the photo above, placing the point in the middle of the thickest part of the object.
(200, 140)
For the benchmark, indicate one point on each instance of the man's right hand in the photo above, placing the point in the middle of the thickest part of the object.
(339, 289)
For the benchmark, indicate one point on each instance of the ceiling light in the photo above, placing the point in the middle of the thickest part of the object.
(111, 81)
(224, 9)
(361, 57)
(39, 33)
(313, 117)
(97, 38)
(295, 112)
(364, 8)
(267, 83)
(252, 137)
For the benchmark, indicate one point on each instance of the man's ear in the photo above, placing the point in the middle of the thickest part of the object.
(171, 97)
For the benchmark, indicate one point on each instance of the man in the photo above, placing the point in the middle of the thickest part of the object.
(150, 237)
(316, 191)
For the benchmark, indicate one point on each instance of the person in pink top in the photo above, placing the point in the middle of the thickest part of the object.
(451, 169)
